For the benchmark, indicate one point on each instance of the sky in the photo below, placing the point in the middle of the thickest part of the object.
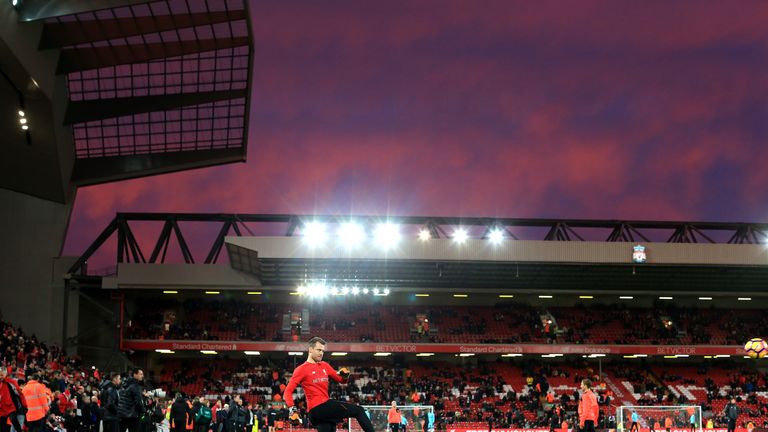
(652, 110)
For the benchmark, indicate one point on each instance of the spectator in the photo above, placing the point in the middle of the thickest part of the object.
(180, 414)
(731, 413)
(236, 416)
(130, 406)
(38, 398)
(109, 403)
(12, 404)
(203, 416)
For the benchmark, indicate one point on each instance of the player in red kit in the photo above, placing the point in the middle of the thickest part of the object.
(313, 375)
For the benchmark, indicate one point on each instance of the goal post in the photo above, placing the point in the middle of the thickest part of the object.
(415, 415)
(677, 418)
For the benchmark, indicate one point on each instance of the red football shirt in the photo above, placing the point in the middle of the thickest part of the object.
(313, 377)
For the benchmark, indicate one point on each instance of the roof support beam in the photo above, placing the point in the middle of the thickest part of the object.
(100, 109)
(39, 10)
(63, 34)
(90, 171)
(81, 59)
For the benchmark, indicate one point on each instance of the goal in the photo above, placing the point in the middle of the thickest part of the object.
(415, 415)
(658, 417)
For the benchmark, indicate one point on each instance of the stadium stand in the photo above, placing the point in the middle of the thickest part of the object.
(73, 387)
(521, 393)
(507, 394)
(507, 323)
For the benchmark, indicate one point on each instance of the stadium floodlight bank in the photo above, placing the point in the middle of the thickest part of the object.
(655, 418)
(416, 415)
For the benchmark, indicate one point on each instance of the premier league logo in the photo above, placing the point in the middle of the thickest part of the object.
(638, 254)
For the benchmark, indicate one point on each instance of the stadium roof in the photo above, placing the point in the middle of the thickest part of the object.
(520, 275)
(123, 88)
(532, 257)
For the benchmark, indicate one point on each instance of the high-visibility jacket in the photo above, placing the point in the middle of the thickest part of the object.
(38, 399)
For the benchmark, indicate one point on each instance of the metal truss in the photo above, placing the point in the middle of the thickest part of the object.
(129, 248)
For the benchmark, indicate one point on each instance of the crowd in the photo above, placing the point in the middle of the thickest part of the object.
(42, 389)
(484, 392)
(503, 323)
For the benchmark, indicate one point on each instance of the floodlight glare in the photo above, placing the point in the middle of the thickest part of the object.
(351, 234)
(313, 290)
(322, 290)
(424, 235)
(387, 235)
(315, 234)
(460, 235)
(365, 290)
(496, 236)
(345, 291)
(386, 291)
(355, 290)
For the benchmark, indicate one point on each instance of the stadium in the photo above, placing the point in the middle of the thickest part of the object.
(466, 323)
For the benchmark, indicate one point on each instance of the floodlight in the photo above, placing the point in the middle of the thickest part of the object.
(317, 290)
(496, 236)
(351, 234)
(460, 235)
(387, 235)
(315, 234)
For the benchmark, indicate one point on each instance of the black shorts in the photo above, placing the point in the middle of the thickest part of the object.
(328, 414)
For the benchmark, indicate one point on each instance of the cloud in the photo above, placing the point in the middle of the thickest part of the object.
(519, 109)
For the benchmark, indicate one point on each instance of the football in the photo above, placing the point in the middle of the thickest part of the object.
(756, 348)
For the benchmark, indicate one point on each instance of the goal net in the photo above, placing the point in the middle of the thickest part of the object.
(415, 417)
(659, 418)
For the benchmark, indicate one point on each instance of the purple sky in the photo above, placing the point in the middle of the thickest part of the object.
(589, 109)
